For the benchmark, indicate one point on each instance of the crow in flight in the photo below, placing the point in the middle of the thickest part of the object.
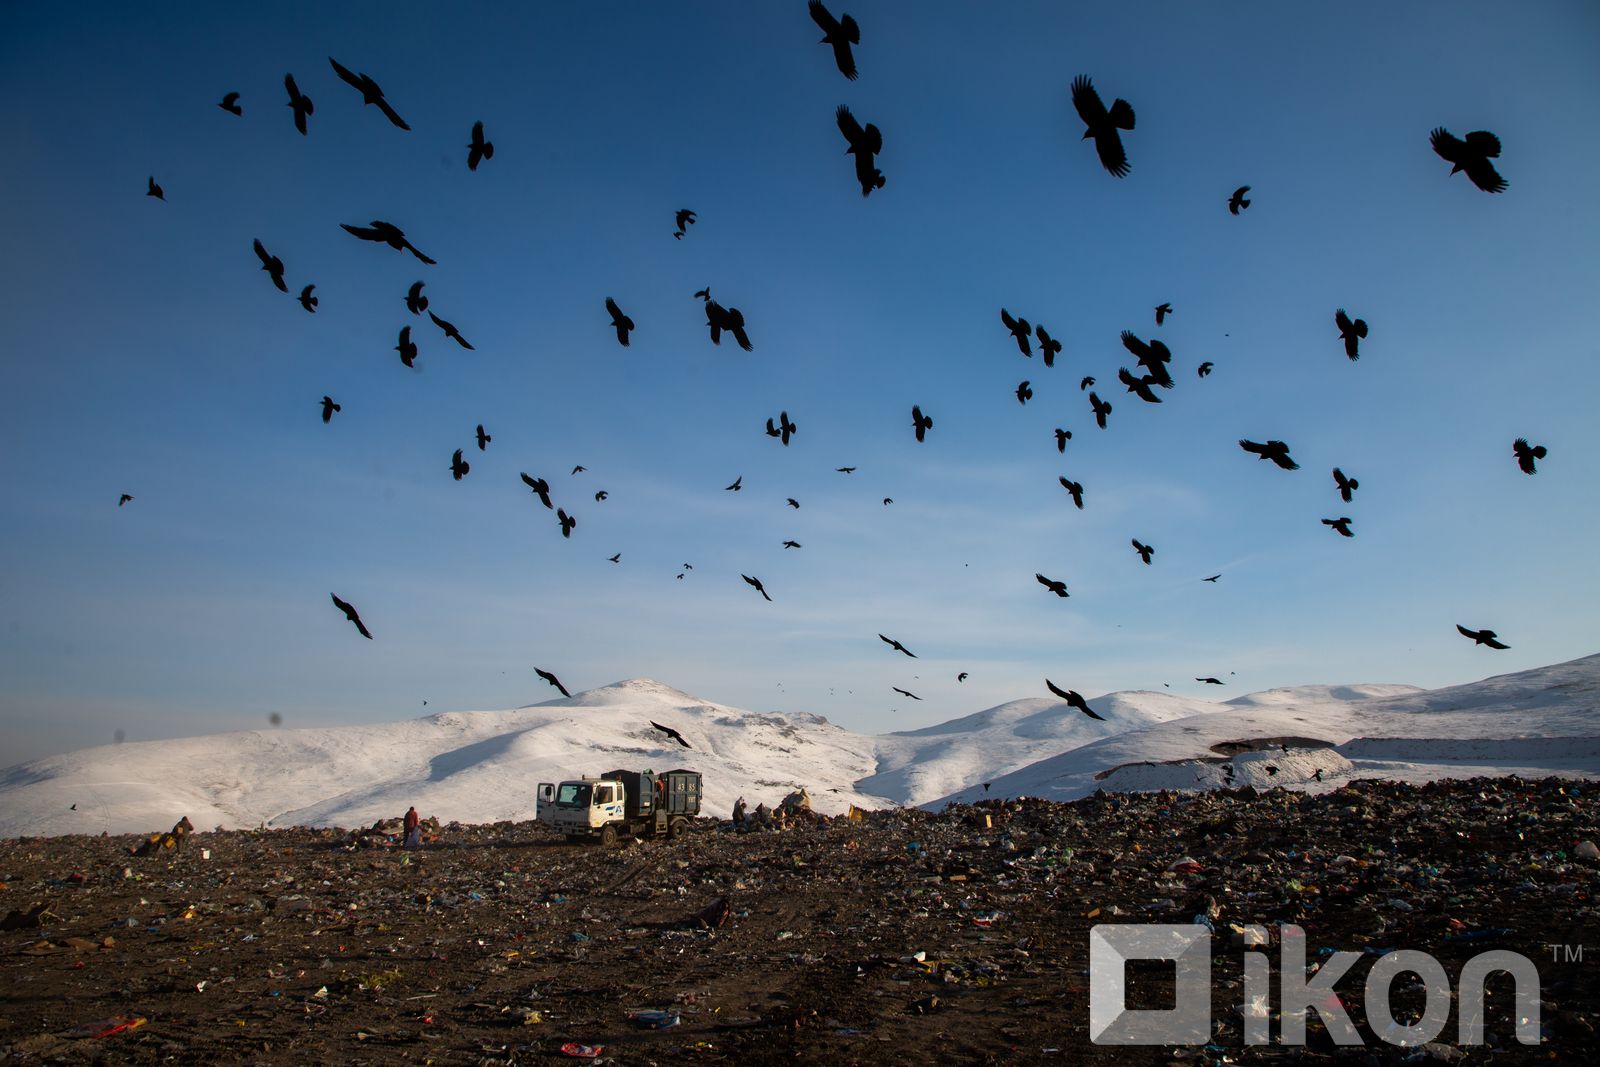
(308, 301)
(386, 233)
(1062, 437)
(1276, 451)
(1482, 637)
(553, 680)
(1055, 585)
(616, 558)
(155, 190)
(1153, 357)
(1471, 155)
(407, 348)
(272, 265)
(791, 544)
(1162, 311)
(920, 423)
(1341, 524)
(897, 646)
(450, 331)
(1024, 393)
(1526, 454)
(1237, 202)
(1103, 124)
(887, 501)
(1075, 488)
(478, 149)
(575, 470)
(1021, 330)
(1210, 681)
(539, 486)
(1140, 387)
(1101, 410)
(601, 495)
(845, 470)
(841, 33)
(483, 439)
(370, 93)
(1204, 369)
(684, 218)
(1049, 347)
(738, 484)
(1073, 699)
(793, 503)
(620, 321)
(1351, 332)
(567, 522)
(328, 408)
(905, 692)
(720, 318)
(865, 144)
(1085, 383)
(1213, 578)
(670, 732)
(755, 583)
(458, 466)
(230, 104)
(124, 499)
(299, 103)
(350, 613)
(1145, 551)
(416, 303)
(1347, 486)
(784, 429)
(961, 677)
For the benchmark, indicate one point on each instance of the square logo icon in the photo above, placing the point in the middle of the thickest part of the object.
(1112, 1022)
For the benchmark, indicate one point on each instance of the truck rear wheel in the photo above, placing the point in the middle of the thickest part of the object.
(608, 836)
(677, 826)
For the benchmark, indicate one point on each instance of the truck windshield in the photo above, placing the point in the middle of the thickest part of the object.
(573, 795)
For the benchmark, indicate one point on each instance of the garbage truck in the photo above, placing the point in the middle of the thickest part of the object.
(618, 803)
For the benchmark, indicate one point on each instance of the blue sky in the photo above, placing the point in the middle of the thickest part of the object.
(147, 353)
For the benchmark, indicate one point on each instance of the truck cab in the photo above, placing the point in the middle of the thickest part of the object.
(620, 802)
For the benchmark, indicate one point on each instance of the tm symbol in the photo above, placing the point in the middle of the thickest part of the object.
(1566, 953)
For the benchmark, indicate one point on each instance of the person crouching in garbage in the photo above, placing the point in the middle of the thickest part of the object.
(738, 814)
(413, 829)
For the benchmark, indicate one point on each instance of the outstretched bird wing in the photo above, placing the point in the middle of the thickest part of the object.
(553, 680)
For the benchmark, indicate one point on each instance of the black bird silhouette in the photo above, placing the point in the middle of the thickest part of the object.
(328, 408)
(616, 558)
(1153, 357)
(458, 466)
(1101, 410)
(1203, 369)
(920, 423)
(738, 484)
(478, 149)
(407, 348)
(1145, 551)
(704, 294)
(1162, 311)
(1351, 332)
(1140, 387)
(961, 677)
(793, 503)
(553, 680)
(720, 318)
(755, 583)
(684, 218)
(1213, 578)
(539, 486)
(1471, 155)
(1062, 437)
(841, 33)
(155, 190)
(386, 233)
(577, 469)
(622, 323)
(1210, 681)
(887, 501)
(124, 499)
(1074, 488)
(1103, 124)
(791, 544)
(351, 614)
(1073, 699)
(1085, 383)
(897, 646)
(483, 439)
(1526, 454)
(1055, 585)
(1049, 347)
(450, 331)
(1024, 393)
(845, 470)
(1341, 524)
(670, 732)
(299, 103)
(865, 144)
(230, 104)
(1021, 330)
(1482, 637)
(416, 303)
(1346, 485)
(567, 522)
(308, 301)
(1237, 202)
(601, 495)
(905, 692)
(784, 429)
(272, 265)
(370, 93)
(1276, 451)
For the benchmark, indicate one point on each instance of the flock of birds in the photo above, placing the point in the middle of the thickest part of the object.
(1149, 377)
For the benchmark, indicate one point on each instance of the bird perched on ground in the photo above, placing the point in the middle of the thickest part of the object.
(622, 323)
(1472, 155)
(387, 233)
(1153, 357)
(920, 423)
(1055, 585)
(124, 499)
(155, 190)
(1145, 551)
(1347, 486)
(738, 484)
(684, 218)
(370, 93)
(1073, 699)
(865, 144)
(1049, 347)
(272, 265)
(720, 318)
(755, 583)
(1075, 488)
(1062, 437)
(791, 544)
(299, 103)
(1352, 331)
(567, 522)
(905, 692)
(1526, 454)
(458, 466)
(1024, 393)
(539, 486)
(407, 348)
(1210, 681)
(351, 614)
(450, 331)
(793, 503)
(1021, 330)
(783, 430)
(897, 646)
(1139, 387)
(1101, 410)
(670, 732)
(553, 680)
(328, 408)
(416, 303)
(1162, 311)
(308, 301)
(478, 149)
(841, 33)
(483, 439)
(1237, 202)
(1276, 451)
(1482, 637)
(1203, 369)
(1341, 524)
(1102, 124)
(230, 104)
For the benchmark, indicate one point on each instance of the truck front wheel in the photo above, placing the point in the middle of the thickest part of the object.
(608, 836)
(677, 826)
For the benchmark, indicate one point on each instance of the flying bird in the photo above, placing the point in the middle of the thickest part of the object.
(920, 423)
(1140, 387)
(784, 429)
(553, 680)
(1472, 155)
(844, 470)
(1062, 437)
(272, 265)
(1237, 202)
(793, 503)
(1351, 332)
(387, 233)
(1075, 488)
(155, 190)
(1204, 369)
(458, 466)
(450, 331)
(124, 499)
(897, 646)
(230, 104)
(841, 33)
(478, 149)
(670, 732)
(622, 323)
(1162, 311)
(370, 93)
(1021, 330)
(1213, 578)
(407, 348)
(539, 486)
(299, 103)
(1055, 585)
(1102, 124)
(1073, 699)
(567, 522)
(720, 318)
(308, 301)
(483, 439)
(791, 544)
(616, 558)
(1049, 347)
(684, 218)
(1024, 393)
(601, 495)
(1210, 681)
(578, 469)
(1342, 525)
(738, 484)
(905, 692)
(887, 501)
(1153, 357)
(416, 303)
(1144, 550)
(1101, 410)
(1482, 637)
(865, 144)
(1347, 486)
(328, 408)
(1526, 454)
(1276, 451)
(755, 583)
(961, 677)
(351, 614)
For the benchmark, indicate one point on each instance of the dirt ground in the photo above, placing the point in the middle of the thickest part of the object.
(905, 938)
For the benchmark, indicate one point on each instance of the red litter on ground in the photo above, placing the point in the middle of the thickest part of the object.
(582, 1052)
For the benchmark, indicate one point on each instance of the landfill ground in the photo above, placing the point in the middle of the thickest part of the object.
(903, 938)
